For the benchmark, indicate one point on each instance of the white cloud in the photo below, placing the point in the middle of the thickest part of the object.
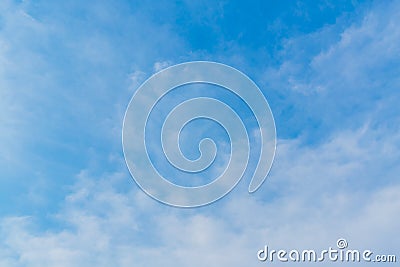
(310, 203)
(344, 186)
(339, 77)
(160, 65)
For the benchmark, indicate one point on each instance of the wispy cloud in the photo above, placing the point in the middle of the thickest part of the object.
(64, 88)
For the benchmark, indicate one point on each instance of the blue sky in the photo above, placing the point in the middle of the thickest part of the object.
(329, 69)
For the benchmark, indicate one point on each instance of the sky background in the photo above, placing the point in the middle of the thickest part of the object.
(329, 69)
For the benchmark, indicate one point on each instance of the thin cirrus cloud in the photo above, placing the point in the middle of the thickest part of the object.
(335, 173)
